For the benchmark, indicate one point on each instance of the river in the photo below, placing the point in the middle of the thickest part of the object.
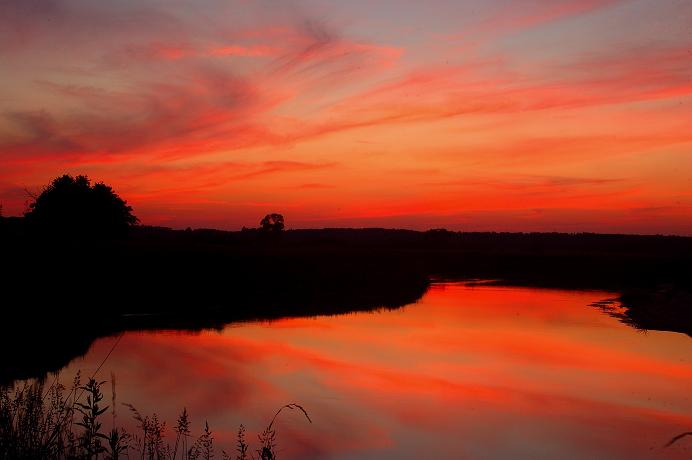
(467, 372)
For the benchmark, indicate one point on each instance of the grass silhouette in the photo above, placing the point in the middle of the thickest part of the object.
(56, 423)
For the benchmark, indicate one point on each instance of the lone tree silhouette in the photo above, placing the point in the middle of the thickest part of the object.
(272, 223)
(71, 206)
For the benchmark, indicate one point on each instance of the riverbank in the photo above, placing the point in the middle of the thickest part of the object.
(61, 295)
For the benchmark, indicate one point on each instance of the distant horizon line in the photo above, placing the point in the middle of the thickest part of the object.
(541, 232)
(409, 229)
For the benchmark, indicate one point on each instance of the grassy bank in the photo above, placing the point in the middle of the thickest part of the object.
(39, 421)
(66, 293)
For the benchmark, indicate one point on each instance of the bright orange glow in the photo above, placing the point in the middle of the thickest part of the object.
(484, 372)
(567, 115)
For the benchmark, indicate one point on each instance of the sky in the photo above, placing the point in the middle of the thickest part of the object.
(531, 115)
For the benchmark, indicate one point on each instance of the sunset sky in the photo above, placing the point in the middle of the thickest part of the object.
(565, 115)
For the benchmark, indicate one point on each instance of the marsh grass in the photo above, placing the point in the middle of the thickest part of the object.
(59, 423)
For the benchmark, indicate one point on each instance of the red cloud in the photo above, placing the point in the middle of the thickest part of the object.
(227, 100)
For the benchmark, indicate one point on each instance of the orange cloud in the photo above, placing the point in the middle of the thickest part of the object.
(231, 102)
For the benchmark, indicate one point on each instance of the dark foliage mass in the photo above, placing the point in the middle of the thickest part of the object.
(73, 207)
(70, 294)
(163, 278)
(272, 223)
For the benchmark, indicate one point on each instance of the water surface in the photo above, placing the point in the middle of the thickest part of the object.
(468, 372)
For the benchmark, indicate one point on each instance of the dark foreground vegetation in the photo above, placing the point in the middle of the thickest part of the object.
(39, 421)
(60, 293)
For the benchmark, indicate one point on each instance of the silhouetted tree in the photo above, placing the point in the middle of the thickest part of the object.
(71, 206)
(272, 223)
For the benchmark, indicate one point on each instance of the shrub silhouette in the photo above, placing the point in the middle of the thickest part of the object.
(71, 206)
(272, 223)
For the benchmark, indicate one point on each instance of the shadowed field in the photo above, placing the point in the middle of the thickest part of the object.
(61, 294)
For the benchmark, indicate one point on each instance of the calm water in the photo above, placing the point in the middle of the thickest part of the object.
(466, 373)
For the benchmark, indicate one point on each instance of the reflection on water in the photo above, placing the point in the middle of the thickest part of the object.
(468, 372)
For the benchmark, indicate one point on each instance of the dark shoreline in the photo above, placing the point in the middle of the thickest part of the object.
(59, 296)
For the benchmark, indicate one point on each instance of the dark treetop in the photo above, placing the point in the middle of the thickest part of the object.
(72, 207)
